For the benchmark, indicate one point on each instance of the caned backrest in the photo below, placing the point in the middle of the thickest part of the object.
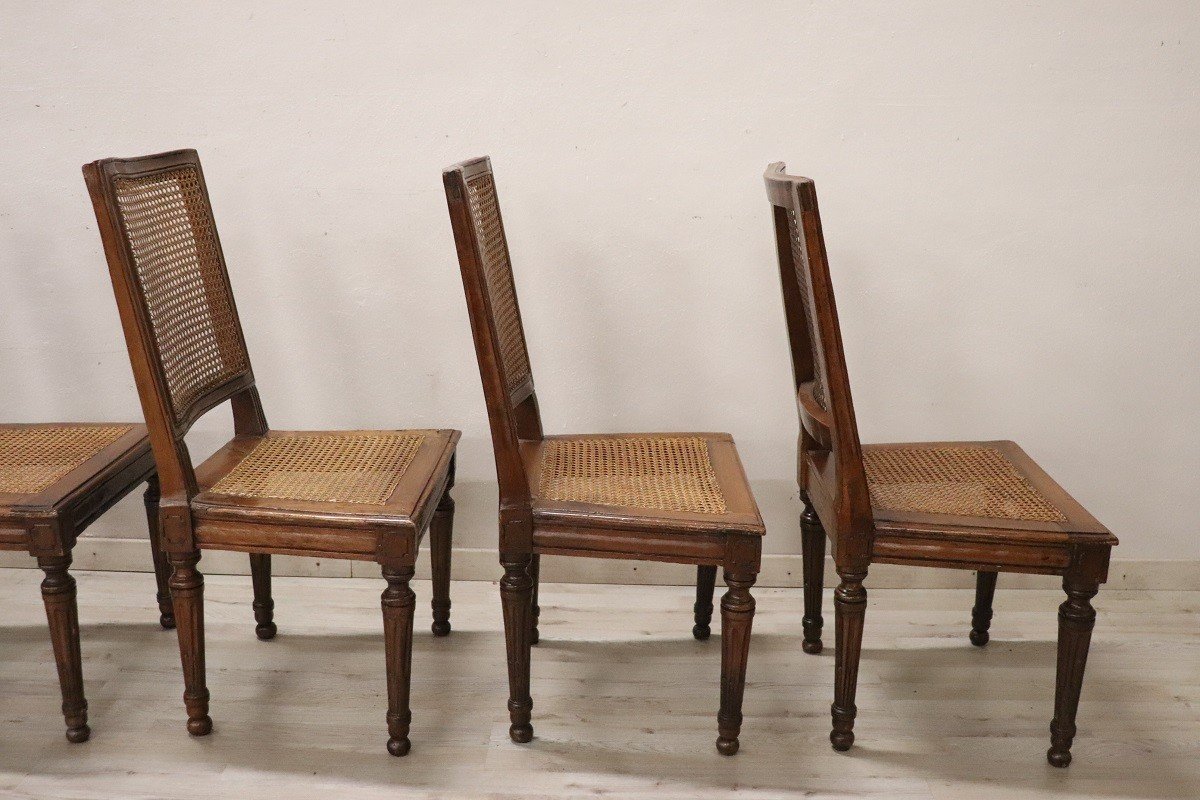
(495, 317)
(172, 286)
(831, 464)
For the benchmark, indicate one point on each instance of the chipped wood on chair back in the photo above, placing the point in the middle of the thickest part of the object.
(831, 463)
(497, 330)
(177, 308)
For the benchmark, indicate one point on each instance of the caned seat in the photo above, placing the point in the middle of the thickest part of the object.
(666, 481)
(983, 506)
(680, 497)
(361, 495)
(35, 459)
(336, 477)
(986, 486)
(55, 480)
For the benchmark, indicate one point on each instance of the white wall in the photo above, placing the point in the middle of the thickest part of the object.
(1008, 189)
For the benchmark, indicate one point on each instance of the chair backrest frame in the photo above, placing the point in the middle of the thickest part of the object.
(496, 326)
(170, 415)
(831, 467)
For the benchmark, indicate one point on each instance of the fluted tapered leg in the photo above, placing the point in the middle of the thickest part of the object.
(737, 618)
(1076, 618)
(850, 606)
(812, 546)
(981, 614)
(162, 569)
(187, 597)
(706, 581)
(399, 603)
(516, 596)
(264, 606)
(535, 575)
(441, 536)
(58, 594)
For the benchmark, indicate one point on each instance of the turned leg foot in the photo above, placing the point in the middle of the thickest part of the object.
(440, 539)
(264, 606)
(62, 612)
(737, 618)
(187, 597)
(981, 614)
(812, 547)
(399, 602)
(162, 569)
(850, 605)
(516, 596)
(706, 581)
(1076, 618)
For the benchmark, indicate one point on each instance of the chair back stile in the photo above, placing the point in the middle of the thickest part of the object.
(830, 462)
(498, 333)
(172, 289)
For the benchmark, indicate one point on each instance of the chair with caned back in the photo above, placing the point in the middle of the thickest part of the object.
(362, 495)
(56, 479)
(983, 506)
(678, 497)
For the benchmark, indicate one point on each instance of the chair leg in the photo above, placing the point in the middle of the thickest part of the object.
(706, 582)
(850, 606)
(162, 569)
(516, 596)
(981, 614)
(399, 603)
(535, 575)
(187, 597)
(58, 593)
(812, 547)
(1076, 618)
(264, 606)
(441, 537)
(737, 617)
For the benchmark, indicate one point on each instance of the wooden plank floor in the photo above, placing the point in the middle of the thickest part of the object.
(624, 702)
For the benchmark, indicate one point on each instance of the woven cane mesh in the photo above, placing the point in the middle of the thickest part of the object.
(33, 458)
(665, 473)
(324, 467)
(497, 272)
(964, 481)
(803, 269)
(171, 233)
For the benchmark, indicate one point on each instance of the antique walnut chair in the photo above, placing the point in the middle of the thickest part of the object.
(982, 506)
(55, 480)
(363, 495)
(679, 497)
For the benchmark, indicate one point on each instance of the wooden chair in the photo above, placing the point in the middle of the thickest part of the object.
(55, 480)
(363, 495)
(982, 506)
(680, 497)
